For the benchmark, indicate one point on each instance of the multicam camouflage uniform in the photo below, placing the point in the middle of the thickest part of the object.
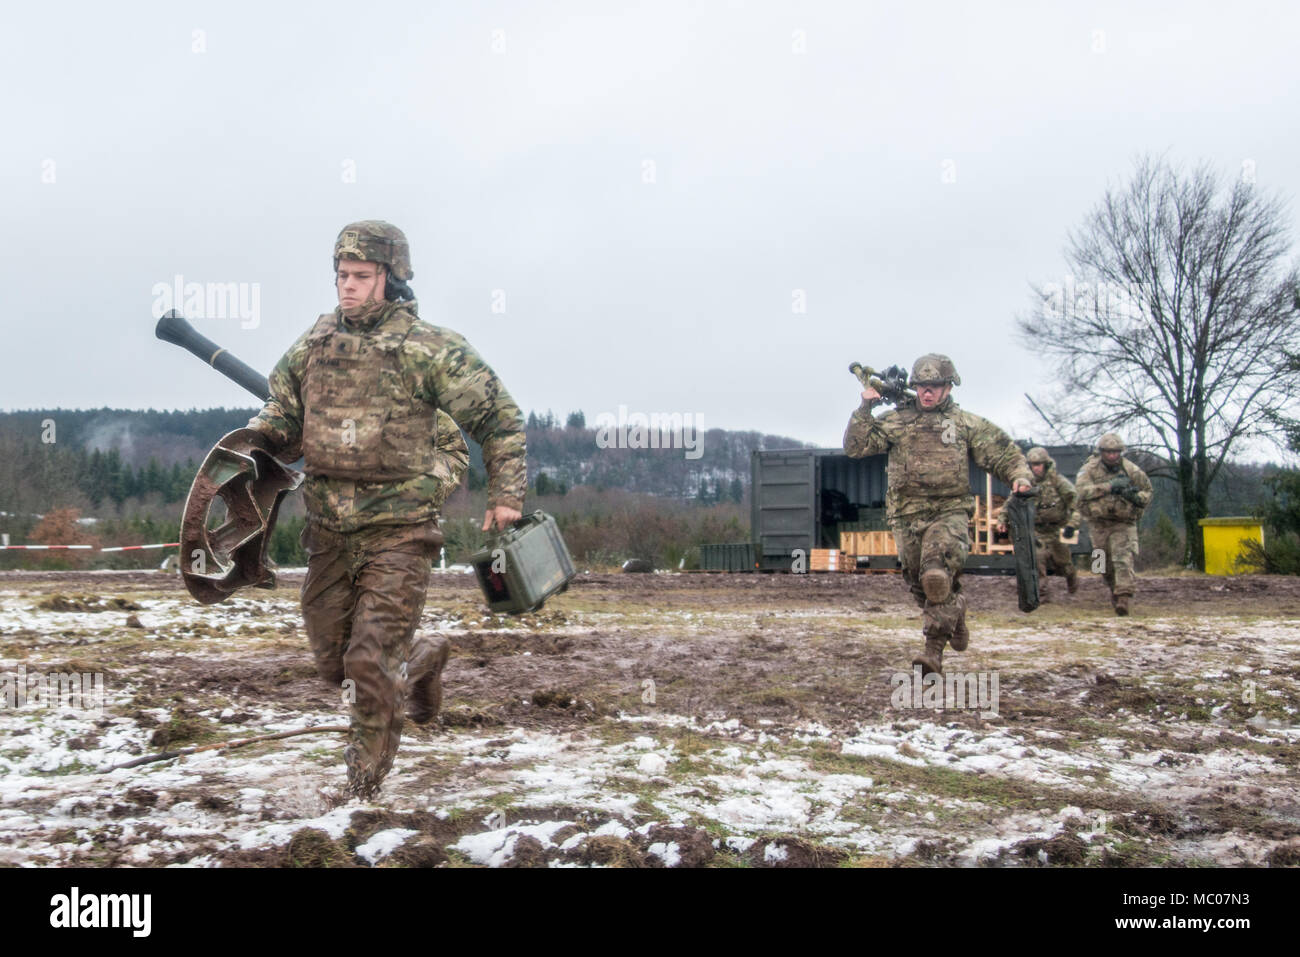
(1112, 499)
(1054, 511)
(928, 501)
(360, 394)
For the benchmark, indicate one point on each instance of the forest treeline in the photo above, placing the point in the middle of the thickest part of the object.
(93, 458)
(124, 475)
(117, 477)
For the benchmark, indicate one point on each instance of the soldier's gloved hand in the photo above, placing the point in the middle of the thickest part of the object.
(1131, 495)
(1119, 485)
(1069, 531)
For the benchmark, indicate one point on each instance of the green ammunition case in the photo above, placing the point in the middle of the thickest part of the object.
(527, 564)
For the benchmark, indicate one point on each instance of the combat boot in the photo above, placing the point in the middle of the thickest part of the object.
(363, 781)
(1121, 605)
(931, 660)
(960, 633)
(1072, 580)
(428, 658)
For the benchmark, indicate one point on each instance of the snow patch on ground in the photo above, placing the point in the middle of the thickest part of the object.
(493, 848)
(383, 843)
(748, 783)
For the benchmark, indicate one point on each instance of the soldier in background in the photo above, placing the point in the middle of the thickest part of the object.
(1113, 492)
(1053, 513)
(359, 394)
(928, 502)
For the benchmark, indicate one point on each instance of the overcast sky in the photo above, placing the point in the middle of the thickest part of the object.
(647, 190)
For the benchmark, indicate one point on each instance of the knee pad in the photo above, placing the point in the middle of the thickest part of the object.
(937, 585)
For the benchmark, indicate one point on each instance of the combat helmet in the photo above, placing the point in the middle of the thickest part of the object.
(1038, 456)
(1110, 442)
(375, 241)
(934, 369)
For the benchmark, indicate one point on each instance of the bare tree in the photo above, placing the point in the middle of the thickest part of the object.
(1177, 326)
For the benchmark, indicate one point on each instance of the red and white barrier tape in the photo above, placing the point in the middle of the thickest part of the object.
(133, 548)
(115, 548)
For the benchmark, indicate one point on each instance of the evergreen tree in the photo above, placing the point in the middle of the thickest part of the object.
(151, 480)
(115, 481)
(96, 482)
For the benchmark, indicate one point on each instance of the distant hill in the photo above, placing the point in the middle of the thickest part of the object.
(100, 456)
(50, 457)
(138, 436)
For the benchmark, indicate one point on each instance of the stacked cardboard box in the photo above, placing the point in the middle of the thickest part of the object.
(830, 560)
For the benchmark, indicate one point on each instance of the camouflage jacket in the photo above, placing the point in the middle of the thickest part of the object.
(1055, 506)
(438, 368)
(1096, 500)
(929, 456)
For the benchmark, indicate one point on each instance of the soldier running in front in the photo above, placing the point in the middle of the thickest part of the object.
(928, 502)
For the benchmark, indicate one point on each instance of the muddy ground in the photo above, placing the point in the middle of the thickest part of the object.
(670, 720)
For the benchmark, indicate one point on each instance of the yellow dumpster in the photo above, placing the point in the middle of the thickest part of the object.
(1224, 538)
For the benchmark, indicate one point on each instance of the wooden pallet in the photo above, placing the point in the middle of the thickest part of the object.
(983, 534)
(868, 543)
(984, 524)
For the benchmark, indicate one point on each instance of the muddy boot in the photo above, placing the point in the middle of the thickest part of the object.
(363, 779)
(960, 633)
(931, 660)
(1121, 605)
(428, 658)
(1072, 580)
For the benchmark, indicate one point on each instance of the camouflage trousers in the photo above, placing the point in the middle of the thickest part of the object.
(939, 542)
(1050, 547)
(361, 602)
(1119, 542)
